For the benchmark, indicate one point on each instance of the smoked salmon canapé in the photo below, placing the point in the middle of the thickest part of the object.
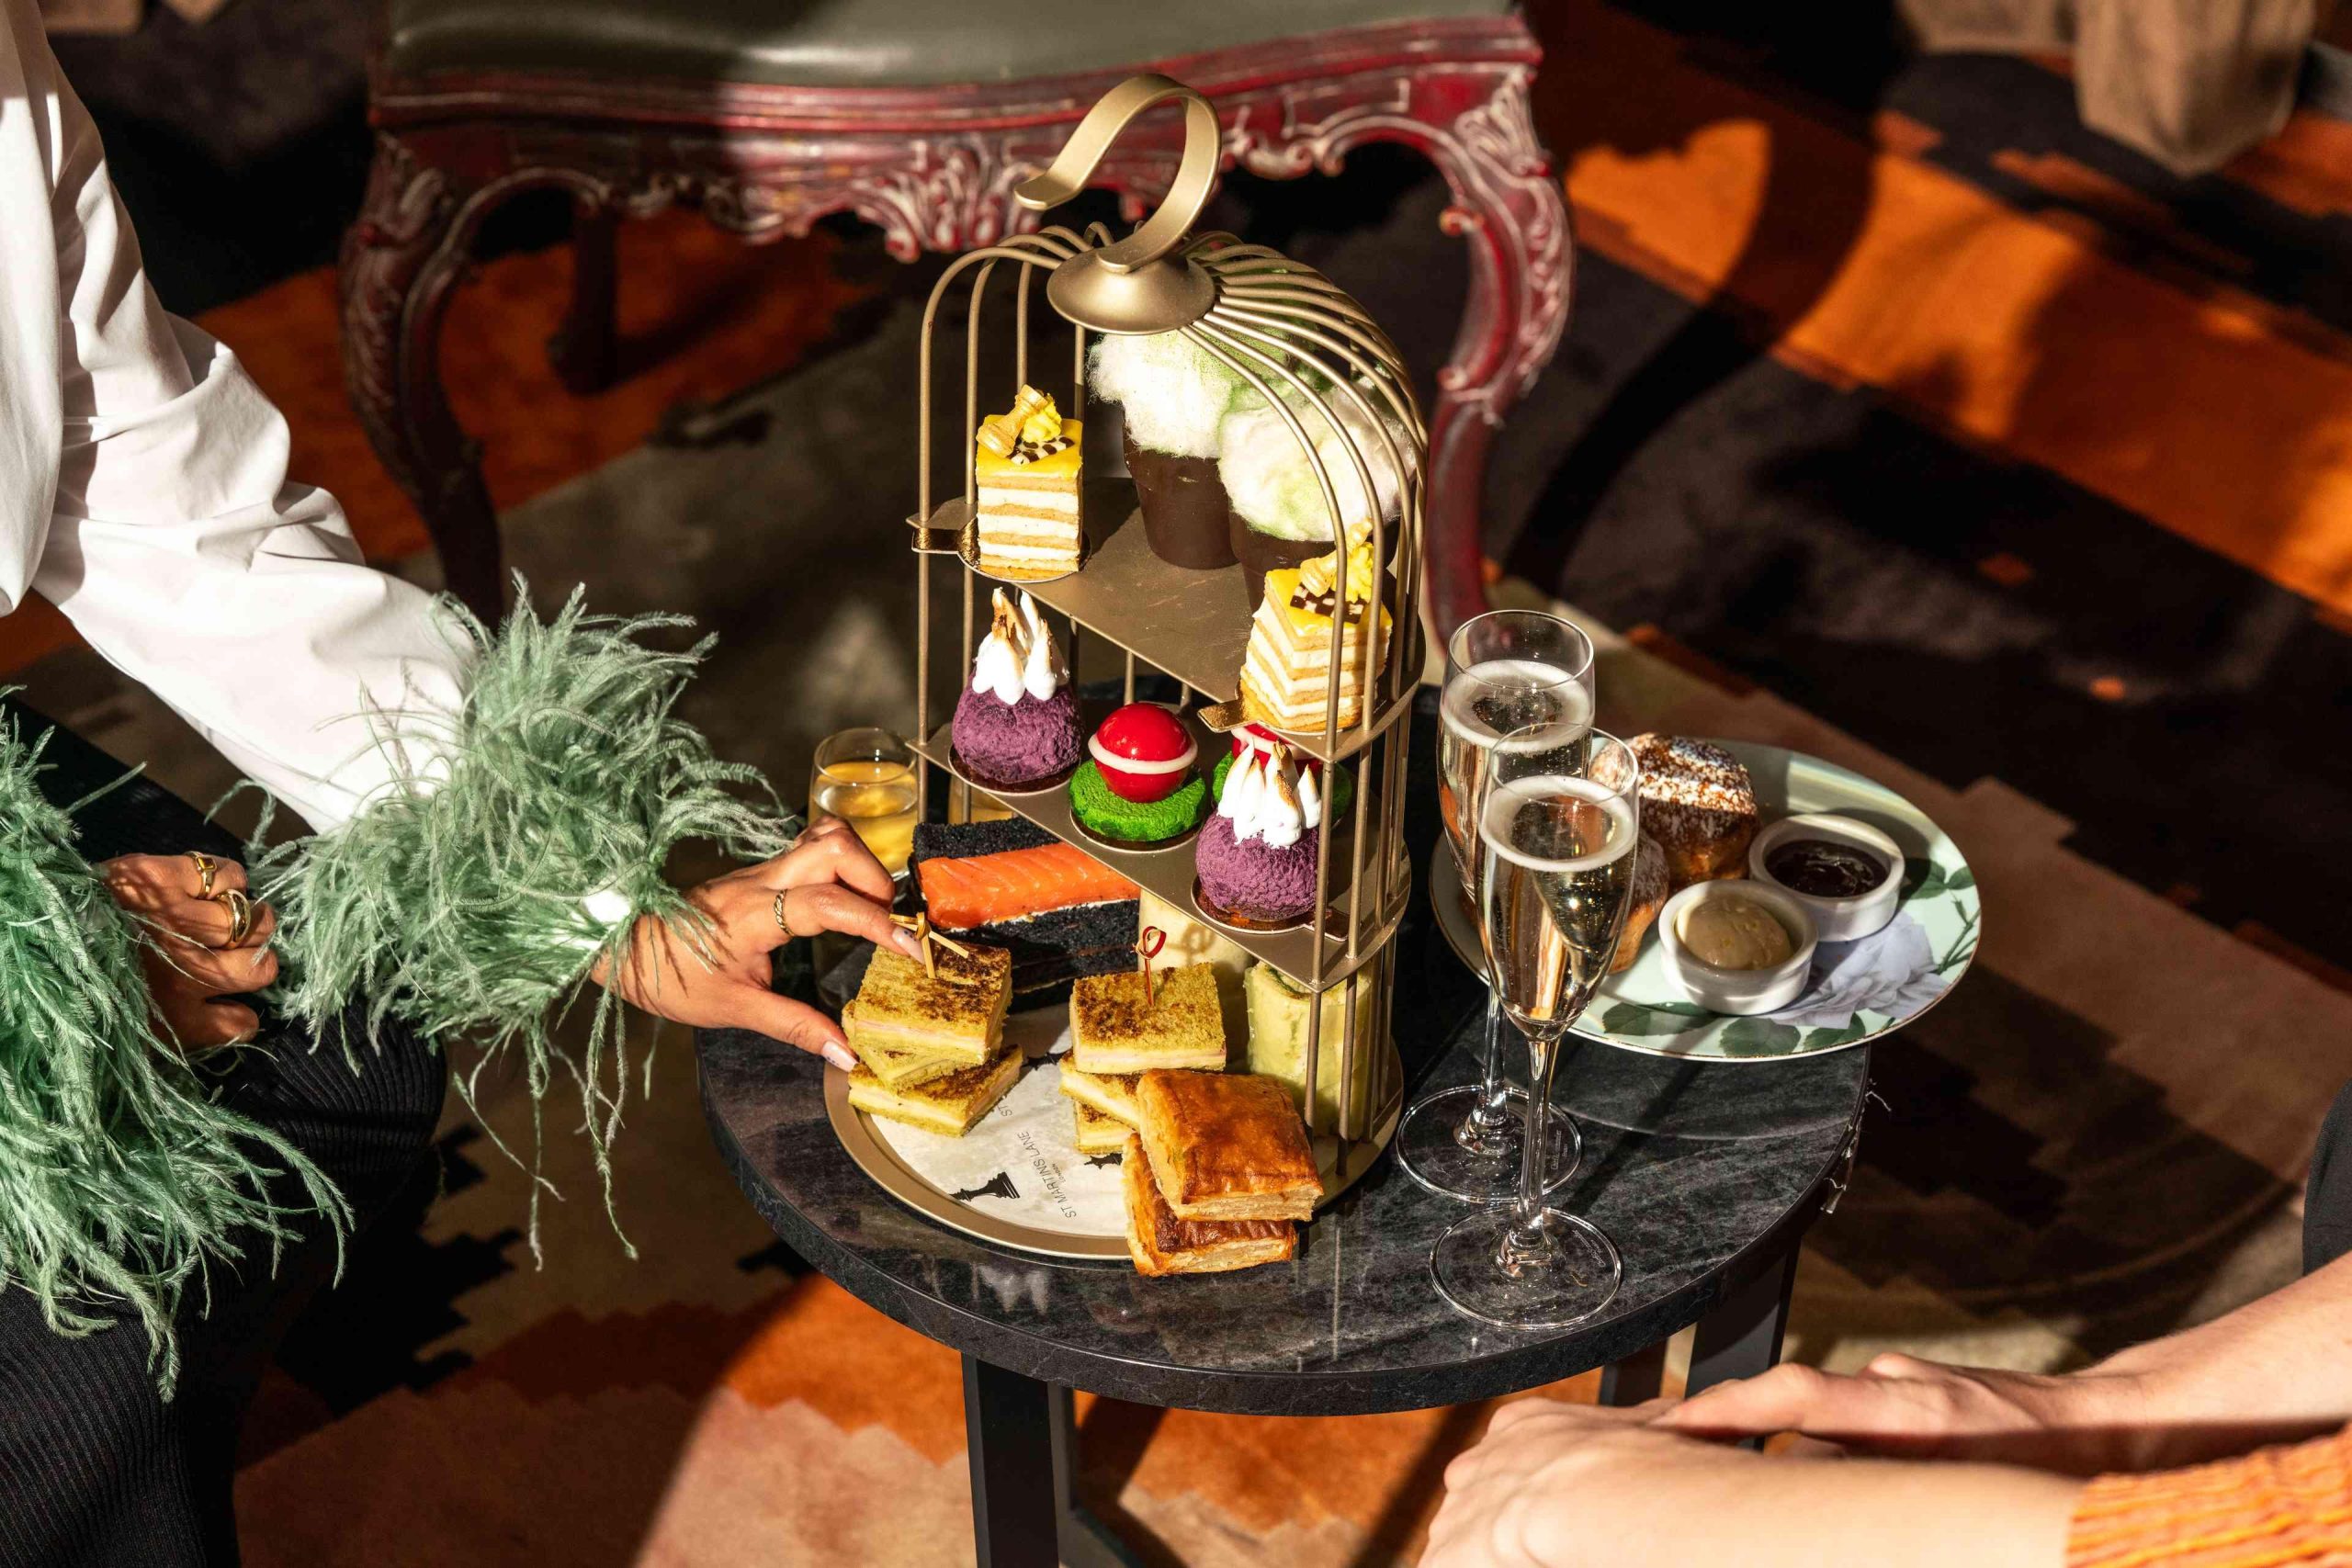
(1013, 884)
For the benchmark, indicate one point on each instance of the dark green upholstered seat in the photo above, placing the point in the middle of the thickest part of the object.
(856, 43)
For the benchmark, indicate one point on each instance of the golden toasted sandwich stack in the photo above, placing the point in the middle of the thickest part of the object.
(930, 1046)
(1098, 1134)
(1162, 1243)
(1114, 1029)
(1106, 1094)
(950, 1106)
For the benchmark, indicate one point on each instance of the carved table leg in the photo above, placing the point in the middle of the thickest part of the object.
(1508, 204)
(584, 350)
(400, 262)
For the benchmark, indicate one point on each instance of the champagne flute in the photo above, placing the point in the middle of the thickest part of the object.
(1504, 671)
(1558, 825)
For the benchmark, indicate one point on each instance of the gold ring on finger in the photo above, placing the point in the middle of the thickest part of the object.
(783, 922)
(206, 869)
(241, 915)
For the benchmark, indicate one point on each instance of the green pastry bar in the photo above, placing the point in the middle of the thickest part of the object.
(1139, 822)
(1278, 1018)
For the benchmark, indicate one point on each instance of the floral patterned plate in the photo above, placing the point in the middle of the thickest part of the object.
(1858, 991)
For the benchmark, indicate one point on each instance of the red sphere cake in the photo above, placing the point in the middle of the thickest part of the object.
(1141, 787)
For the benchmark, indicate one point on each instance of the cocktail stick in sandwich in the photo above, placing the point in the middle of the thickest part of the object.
(1162, 1243)
(956, 1014)
(1227, 1146)
(1115, 1029)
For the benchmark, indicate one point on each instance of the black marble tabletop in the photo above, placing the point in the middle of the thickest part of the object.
(1702, 1173)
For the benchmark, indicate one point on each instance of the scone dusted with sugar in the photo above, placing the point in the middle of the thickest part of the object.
(1301, 626)
(1026, 467)
(1227, 1146)
(1699, 804)
(1162, 1243)
(1115, 1029)
(953, 1012)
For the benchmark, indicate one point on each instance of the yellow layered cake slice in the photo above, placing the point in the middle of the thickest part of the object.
(1286, 673)
(1026, 468)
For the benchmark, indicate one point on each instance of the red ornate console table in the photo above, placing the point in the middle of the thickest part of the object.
(934, 167)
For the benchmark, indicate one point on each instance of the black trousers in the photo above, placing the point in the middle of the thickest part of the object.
(2327, 1197)
(96, 1467)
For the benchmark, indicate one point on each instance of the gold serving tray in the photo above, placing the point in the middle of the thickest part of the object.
(1342, 1162)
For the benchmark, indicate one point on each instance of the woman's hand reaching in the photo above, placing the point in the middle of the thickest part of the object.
(206, 941)
(830, 881)
(1901, 1407)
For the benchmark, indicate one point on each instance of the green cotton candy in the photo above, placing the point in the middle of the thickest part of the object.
(1175, 393)
(122, 1180)
(460, 903)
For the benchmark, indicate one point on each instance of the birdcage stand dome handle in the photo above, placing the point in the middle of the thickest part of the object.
(1134, 285)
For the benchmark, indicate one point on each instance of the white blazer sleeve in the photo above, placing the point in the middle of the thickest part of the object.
(165, 527)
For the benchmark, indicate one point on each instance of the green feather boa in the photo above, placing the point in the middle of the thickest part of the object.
(120, 1179)
(459, 904)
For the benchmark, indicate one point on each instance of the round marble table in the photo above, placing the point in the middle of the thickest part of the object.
(1705, 1175)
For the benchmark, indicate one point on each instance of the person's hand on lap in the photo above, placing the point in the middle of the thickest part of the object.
(828, 881)
(195, 955)
(1537, 1490)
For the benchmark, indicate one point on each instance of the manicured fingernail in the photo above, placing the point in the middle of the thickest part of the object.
(907, 944)
(838, 1055)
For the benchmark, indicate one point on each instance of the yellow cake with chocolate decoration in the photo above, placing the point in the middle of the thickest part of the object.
(1027, 464)
(1285, 674)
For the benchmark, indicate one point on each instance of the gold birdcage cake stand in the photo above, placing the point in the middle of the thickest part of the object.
(1298, 342)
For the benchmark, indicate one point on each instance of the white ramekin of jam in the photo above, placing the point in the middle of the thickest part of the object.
(1847, 874)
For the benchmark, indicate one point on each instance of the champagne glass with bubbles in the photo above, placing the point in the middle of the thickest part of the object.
(1504, 671)
(1557, 825)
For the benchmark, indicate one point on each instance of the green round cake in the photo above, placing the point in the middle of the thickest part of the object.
(1136, 822)
(1343, 789)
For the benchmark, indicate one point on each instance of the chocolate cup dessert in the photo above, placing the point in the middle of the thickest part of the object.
(1186, 514)
(1261, 553)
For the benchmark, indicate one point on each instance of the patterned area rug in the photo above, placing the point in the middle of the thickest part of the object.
(1885, 425)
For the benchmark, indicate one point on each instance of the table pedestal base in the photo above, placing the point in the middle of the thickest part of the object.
(1016, 1429)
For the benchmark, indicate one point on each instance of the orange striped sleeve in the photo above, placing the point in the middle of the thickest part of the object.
(2271, 1509)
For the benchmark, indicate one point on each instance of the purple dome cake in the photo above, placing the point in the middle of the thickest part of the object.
(1255, 858)
(1016, 726)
